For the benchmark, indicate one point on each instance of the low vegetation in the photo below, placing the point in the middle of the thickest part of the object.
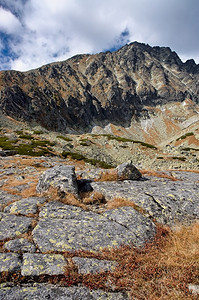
(92, 161)
(189, 149)
(163, 269)
(67, 139)
(185, 136)
(121, 139)
(182, 158)
(32, 148)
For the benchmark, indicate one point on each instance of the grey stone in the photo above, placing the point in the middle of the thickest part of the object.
(2, 182)
(7, 152)
(84, 234)
(143, 229)
(51, 292)
(9, 262)
(5, 198)
(60, 210)
(38, 264)
(22, 245)
(127, 171)
(12, 226)
(167, 201)
(61, 177)
(93, 265)
(25, 206)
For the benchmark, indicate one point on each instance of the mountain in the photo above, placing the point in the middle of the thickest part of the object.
(140, 91)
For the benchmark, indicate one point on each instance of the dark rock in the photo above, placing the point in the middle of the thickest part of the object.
(9, 262)
(93, 265)
(38, 264)
(8, 152)
(127, 171)
(12, 226)
(61, 177)
(52, 292)
(20, 245)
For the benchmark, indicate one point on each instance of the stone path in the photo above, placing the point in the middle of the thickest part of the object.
(36, 234)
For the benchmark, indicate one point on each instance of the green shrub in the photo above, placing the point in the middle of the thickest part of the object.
(188, 149)
(121, 139)
(92, 161)
(19, 132)
(37, 131)
(42, 143)
(182, 158)
(185, 135)
(26, 137)
(67, 139)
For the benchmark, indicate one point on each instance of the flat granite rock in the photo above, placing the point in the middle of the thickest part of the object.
(80, 230)
(169, 202)
(9, 262)
(142, 228)
(25, 206)
(93, 265)
(12, 226)
(60, 210)
(61, 177)
(5, 198)
(51, 292)
(38, 264)
(19, 245)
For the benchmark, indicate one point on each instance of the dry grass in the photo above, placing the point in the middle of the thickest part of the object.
(53, 194)
(121, 202)
(110, 175)
(93, 198)
(158, 174)
(161, 270)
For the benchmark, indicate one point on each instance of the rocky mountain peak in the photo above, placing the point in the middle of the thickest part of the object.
(89, 90)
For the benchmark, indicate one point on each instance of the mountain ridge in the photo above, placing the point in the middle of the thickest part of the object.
(89, 90)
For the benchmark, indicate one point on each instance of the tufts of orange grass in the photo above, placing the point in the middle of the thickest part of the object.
(158, 174)
(163, 269)
(93, 198)
(53, 194)
(109, 175)
(121, 202)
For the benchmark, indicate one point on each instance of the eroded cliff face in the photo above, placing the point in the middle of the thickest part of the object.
(120, 88)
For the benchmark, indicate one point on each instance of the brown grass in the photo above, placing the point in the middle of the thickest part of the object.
(121, 202)
(163, 269)
(54, 195)
(93, 198)
(159, 174)
(110, 175)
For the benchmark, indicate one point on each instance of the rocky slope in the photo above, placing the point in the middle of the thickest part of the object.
(54, 247)
(139, 91)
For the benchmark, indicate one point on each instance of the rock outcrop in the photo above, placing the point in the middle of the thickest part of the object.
(40, 237)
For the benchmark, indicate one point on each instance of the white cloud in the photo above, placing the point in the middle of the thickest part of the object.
(57, 29)
(8, 22)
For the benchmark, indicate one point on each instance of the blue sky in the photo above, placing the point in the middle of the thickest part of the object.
(37, 32)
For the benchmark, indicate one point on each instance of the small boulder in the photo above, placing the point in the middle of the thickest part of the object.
(61, 177)
(127, 171)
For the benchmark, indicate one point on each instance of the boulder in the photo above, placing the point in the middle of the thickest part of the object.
(61, 177)
(127, 171)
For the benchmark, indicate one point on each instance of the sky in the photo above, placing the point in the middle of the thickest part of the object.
(37, 32)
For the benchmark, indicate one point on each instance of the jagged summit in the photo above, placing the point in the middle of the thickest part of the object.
(106, 88)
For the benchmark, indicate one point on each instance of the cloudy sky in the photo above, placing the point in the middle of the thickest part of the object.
(37, 32)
